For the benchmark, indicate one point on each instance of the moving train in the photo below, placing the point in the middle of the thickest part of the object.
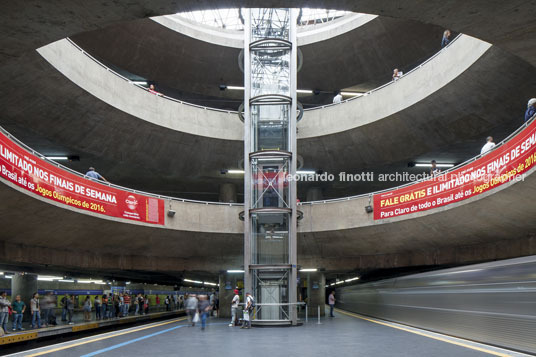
(492, 303)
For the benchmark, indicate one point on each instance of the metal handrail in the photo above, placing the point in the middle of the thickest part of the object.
(143, 88)
(236, 112)
(390, 82)
(52, 162)
(504, 141)
(27, 148)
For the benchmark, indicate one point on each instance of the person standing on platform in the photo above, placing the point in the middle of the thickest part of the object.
(146, 305)
(104, 306)
(167, 302)
(98, 309)
(19, 307)
(4, 310)
(36, 311)
(63, 303)
(234, 308)
(110, 307)
(212, 301)
(331, 302)
(87, 308)
(248, 311)
(126, 304)
(48, 308)
(157, 303)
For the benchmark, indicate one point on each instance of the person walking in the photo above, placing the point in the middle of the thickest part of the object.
(98, 309)
(95, 175)
(19, 307)
(146, 305)
(338, 98)
(5, 305)
(488, 146)
(204, 308)
(234, 308)
(434, 170)
(191, 308)
(35, 308)
(248, 311)
(48, 308)
(331, 302)
(87, 308)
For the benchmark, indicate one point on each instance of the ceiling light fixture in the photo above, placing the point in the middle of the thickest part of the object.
(430, 165)
(309, 270)
(235, 171)
(193, 281)
(56, 158)
(352, 94)
(232, 271)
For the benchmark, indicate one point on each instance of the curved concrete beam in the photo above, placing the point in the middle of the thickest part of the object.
(122, 94)
(388, 100)
(394, 97)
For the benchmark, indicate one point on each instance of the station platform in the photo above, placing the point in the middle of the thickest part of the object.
(346, 334)
(63, 330)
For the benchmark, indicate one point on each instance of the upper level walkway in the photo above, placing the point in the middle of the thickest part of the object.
(428, 222)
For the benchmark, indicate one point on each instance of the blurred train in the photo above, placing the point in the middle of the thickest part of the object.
(492, 303)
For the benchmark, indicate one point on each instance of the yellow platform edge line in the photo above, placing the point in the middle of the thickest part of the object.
(7, 339)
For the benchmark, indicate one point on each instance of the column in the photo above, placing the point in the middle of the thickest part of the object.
(24, 285)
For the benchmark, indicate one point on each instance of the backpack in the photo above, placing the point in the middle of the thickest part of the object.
(252, 305)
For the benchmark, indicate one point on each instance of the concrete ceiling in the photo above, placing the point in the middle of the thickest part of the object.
(336, 236)
(192, 69)
(39, 104)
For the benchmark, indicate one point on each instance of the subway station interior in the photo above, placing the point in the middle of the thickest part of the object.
(268, 178)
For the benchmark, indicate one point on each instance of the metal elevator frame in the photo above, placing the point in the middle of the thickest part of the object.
(270, 80)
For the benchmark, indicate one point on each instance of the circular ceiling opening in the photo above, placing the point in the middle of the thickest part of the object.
(232, 19)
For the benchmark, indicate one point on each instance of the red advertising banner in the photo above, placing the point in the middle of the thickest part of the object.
(506, 163)
(42, 178)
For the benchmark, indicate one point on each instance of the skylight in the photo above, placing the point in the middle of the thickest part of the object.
(231, 19)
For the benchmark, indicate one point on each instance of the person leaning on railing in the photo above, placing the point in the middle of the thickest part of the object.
(531, 109)
(446, 38)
